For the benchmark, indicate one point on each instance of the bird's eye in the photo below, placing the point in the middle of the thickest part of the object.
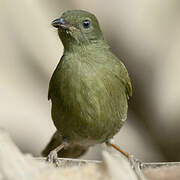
(86, 24)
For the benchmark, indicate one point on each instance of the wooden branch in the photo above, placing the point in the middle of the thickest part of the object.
(16, 166)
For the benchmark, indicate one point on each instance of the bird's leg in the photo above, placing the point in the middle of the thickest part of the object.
(53, 155)
(130, 157)
(112, 144)
(135, 163)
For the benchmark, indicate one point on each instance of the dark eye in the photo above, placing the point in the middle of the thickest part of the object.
(86, 24)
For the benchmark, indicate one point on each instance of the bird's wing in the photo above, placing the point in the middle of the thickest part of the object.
(52, 83)
(123, 75)
(49, 91)
(126, 81)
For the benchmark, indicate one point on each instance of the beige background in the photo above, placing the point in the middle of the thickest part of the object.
(144, 34)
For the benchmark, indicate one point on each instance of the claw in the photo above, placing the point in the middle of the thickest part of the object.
(133, 161)
(56, 162)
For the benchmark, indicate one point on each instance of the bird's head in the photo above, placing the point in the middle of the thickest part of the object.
(77, 27)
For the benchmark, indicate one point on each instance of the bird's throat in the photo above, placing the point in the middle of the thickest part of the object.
(85, 48)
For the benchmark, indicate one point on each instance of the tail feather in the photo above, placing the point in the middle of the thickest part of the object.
(73, 151)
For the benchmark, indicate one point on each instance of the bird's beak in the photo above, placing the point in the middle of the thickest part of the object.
(61, 23)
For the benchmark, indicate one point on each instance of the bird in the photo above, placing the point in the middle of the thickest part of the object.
(89, 89)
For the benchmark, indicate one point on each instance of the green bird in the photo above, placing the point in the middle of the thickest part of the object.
(89, 88)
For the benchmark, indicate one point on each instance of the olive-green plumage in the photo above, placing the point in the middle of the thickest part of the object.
(89, 88)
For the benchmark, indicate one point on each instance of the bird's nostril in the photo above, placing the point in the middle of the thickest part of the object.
(61, 21)
(58, 22)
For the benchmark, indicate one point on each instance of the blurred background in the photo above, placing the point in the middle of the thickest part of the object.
(144, 34)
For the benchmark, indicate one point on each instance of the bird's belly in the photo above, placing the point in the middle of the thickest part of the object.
(89, 123)
(90, 111)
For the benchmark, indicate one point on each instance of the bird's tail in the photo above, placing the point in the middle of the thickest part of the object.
(73, 151)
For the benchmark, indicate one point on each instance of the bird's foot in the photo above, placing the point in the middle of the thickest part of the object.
(53, 158)
(135, 162)
(136, 165)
